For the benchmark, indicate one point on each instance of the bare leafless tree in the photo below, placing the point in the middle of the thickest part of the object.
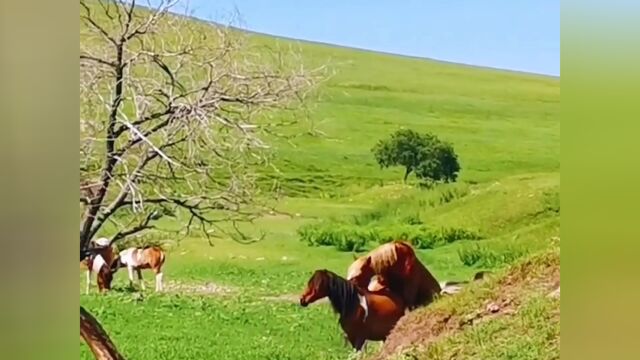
(174, 114)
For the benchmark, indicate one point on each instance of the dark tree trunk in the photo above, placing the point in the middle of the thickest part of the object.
(96, 338)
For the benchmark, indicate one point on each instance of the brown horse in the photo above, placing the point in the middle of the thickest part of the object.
(102, 261)
(397, 267)
(364, 315)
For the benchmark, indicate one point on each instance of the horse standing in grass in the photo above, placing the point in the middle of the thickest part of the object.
(148, 257)
(398, 268)
(364, 315)
(102, 261)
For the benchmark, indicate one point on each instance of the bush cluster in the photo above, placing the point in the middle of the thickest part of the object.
(347, 237)
(488, 257)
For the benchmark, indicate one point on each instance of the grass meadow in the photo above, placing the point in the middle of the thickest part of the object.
(233, 301)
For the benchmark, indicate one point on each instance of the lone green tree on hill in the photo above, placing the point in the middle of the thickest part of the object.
(430, 158)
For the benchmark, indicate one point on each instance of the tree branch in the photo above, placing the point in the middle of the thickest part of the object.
(88, 18)
(96, 338)
(110, 160)
(192, 100)
(98, 60)
(172, 119)
(143, 225)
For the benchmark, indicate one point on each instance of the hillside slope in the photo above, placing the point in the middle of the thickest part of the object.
(514, 315)
(500, 123)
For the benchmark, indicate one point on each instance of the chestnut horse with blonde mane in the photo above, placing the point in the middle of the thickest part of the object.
(364, 315)
(397, 267)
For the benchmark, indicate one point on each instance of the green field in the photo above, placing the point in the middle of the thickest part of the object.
(234, 301)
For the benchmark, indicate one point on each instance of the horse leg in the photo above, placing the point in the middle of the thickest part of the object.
(356, 342)
(140, 278)
(101, 282)
(88, 281)
(159, 280)
(410, 296)
(130, 270)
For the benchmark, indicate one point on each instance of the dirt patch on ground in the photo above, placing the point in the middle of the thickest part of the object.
(499, 296)
(283, 298)
(294, 298)
(207, 288)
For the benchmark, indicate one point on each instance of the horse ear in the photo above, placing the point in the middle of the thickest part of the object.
(367, 261)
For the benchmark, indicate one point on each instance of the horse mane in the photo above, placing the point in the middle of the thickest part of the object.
(342, 294)
(386, 255)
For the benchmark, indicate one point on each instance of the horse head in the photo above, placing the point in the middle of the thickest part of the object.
(317, 288)
(116, 264)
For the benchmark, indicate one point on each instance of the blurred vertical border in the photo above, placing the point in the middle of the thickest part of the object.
(39, 179)
(600, 179)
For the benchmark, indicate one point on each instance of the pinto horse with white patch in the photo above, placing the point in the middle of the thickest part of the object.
(101, 261)
(148, 257)
(364, 315)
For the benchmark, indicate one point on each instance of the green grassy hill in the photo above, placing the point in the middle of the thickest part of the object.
(501, 123)
(240, 301)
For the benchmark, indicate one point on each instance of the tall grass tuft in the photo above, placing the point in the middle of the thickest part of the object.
(487, 257)
(345, 237)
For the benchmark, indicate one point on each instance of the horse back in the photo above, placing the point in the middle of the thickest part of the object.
(385, 301)
(156, 255)
(107, 254)
(151, 257)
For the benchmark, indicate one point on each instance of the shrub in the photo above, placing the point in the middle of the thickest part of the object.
(351, 244)
(368, 217)
(444, 195)
(425, 238)
(483, 256)
(551, 202)
(412, 219)
(147, 239)
(431, 159)
(346, 237)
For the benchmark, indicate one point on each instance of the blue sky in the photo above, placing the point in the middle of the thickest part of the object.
(521, 35)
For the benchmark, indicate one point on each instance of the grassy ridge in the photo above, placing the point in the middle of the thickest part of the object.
(500, 123)
(524, 322)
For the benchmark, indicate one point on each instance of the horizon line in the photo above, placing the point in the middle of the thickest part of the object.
(381, 52)
(350, 47)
